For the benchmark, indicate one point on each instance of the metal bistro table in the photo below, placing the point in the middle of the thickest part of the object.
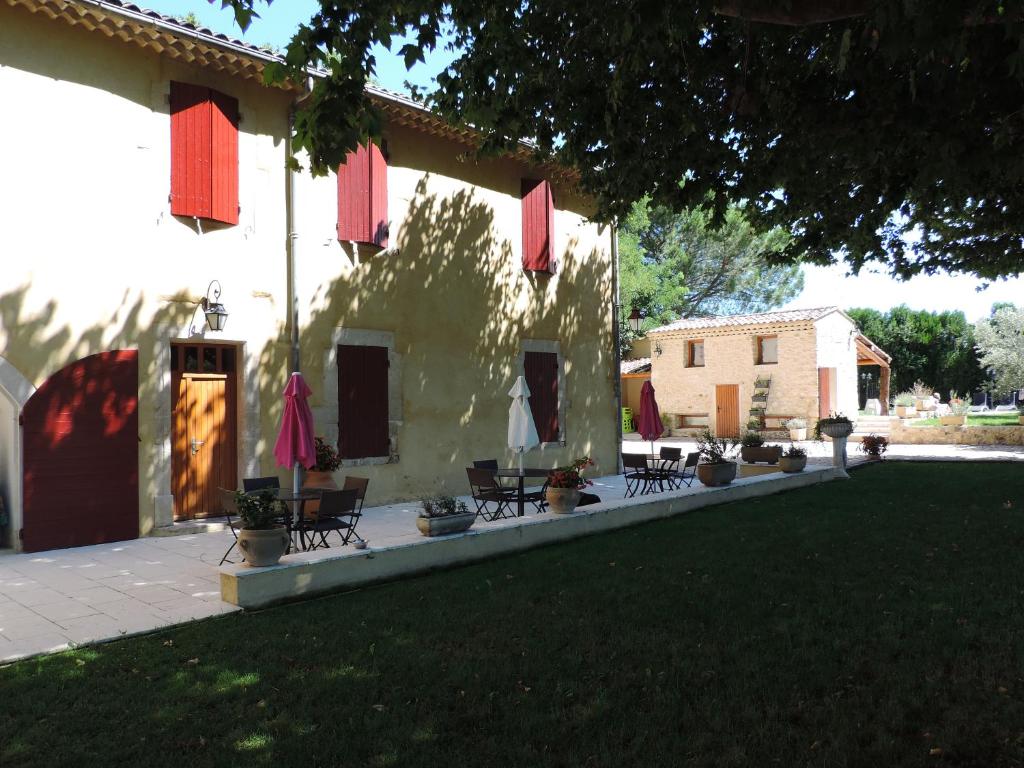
(297, 500)
(522, 474)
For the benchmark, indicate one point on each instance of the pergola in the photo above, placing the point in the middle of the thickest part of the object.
(869, 353)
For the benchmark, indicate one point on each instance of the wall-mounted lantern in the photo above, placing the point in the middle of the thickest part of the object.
(216, 314)
(657, 348)
(635, 319)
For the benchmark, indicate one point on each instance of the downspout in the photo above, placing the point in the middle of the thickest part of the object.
(291, 246)
(617, 375)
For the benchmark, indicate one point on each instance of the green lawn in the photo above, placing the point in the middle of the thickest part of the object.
(873, 622)
(977, 420)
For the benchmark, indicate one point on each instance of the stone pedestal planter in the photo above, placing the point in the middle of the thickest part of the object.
(263, 547)
(769, 454)
(562, 501)
(790, 464)
(838, 433)
(443, 526)
(716, 474)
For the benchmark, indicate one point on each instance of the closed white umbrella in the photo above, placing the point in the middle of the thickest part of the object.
(522, 432)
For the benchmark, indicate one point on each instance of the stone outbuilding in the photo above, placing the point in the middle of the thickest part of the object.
(729, 371)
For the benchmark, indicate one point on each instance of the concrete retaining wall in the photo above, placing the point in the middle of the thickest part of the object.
(311, 573)
(907, 435)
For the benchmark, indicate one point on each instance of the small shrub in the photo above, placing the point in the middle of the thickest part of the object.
(796, 424)
(751, 440)
(327, 457)
(794, 452)
(714, 450)
(260, 510)
(753, 423)
(442, 506)
(904, 399)
(874, 446)
(922, 390)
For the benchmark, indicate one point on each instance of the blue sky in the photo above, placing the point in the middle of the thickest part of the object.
(822, 285)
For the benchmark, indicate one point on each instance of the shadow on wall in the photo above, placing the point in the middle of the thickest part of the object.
(459, 303)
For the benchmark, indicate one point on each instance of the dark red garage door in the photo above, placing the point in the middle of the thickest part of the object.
(80, 434)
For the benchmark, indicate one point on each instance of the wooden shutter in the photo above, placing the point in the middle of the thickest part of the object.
(538, 226)
(541, 372)
(363, 197)
(362, 401)
(204, 153)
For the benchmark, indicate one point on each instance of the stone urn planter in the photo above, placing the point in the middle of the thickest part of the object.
(790, 464)
(767, 453)
(713, 475)
(953, 421)
(317, 481)
(838, 431)
(841, 430)
(263, 546)
(443, 526)
(796, 435)
(906, 411)
(562, 501)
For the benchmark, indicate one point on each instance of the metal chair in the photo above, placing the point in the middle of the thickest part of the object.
(359, 484)
(689, 470)
(337, 512)
(638, 475)
(668, 466)
(250, 484)
(485, 490)
(229, 506)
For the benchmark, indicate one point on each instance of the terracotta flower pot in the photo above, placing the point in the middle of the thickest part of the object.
(264, 546)
(318, 480)
(716, 474)
(562, 501)
(790, 464)
(443, 526)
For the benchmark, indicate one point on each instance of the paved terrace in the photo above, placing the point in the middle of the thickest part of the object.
(62, 598)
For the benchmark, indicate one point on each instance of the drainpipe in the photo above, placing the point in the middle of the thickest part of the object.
(292, 247)
(617, 376)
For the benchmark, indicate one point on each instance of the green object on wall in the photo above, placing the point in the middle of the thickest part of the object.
(627, 419)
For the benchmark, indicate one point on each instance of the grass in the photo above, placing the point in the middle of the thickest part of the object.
(877, 621)
(977, 420)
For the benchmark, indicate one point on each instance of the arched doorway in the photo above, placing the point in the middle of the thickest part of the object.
(15, 391)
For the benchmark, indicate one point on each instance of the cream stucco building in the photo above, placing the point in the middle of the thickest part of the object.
(721, 372)
(96, 263)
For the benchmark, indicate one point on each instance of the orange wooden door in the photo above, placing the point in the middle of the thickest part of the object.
(204, 442)
(824, 392)
(727, 410)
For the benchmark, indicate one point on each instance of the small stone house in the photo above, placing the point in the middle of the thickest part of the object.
(725, 372)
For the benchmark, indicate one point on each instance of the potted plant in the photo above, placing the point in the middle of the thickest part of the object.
(261, 537)
(924, 398)
(904, 403)
(753, 449)
(753, 424)
(874, 446)
(957, 412)
(442, 515)
(835, 425)
(797, 429)
(793, 460)
(565, 484)
(715, 468)
(1020, 414)
(321, 474)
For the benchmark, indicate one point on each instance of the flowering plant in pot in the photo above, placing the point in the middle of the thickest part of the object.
(797, 429)
(565, 484)
(715, 467)
(835, 425)
(958, 408)
(440, 515)
(321, 474)
(924, 396)
(753, 449)
(262, 538)
(874, 446)
(793, 460)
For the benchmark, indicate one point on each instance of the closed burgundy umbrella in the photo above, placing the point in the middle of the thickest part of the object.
(650, 426)
(295, 446)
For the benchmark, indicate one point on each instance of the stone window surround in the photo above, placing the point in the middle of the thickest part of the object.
(690, 344)
(541, 345)
(757, 349)
(327, 417)
(247, 403)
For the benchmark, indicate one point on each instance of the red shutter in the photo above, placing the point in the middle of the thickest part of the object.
(204, 153)
(363, 197)
(541, 373)
(538, 226)
(362, 401)
(80, 434)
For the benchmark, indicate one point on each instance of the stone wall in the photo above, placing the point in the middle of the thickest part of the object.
(907, 435)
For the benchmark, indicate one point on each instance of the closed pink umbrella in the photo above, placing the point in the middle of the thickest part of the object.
(650, 426)
(295, 446)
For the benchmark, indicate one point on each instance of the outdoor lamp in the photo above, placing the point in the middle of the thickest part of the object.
(634, 320)
(216, 315)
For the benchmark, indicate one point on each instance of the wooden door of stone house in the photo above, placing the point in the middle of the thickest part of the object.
(204, 435)
(727, 410)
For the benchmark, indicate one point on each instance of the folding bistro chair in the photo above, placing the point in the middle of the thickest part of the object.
(485, 490)
(359, 485)
(688, 471)
(638, 475)
(250, 484)
(668, 466)
(337, 513)
(230, 508)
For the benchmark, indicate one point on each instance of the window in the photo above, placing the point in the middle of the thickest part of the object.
(767, 349)
(695, 354)
(362, 401)
(204, 153)
(363, 197)
(538, 226)
(541, 372)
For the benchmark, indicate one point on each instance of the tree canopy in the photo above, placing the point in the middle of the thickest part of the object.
(1001, 344)
(880, 130)
(676, 265)
(937, 348)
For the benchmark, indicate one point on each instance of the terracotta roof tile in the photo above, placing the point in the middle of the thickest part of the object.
(761, 318)
(635, 366)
